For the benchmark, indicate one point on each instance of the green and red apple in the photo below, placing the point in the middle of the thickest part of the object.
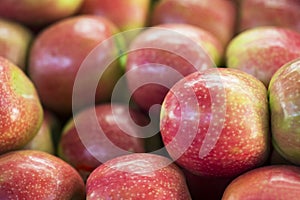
(215, 123)
(282, 13)
(137, 176)
(15, 40)
(162, 55)
(127, 15)
(284, 95)
(28, 174)
(44, 139)
(261, 51)
(38, 13)
(58, 53)
(100, 133)
(20, 108)
(269, 182)
(217, 17)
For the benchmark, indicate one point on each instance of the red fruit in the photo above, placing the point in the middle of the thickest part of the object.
(284, 95)
(88, 140)
(57, 55)
(283, 13)
(270, 182)
(262, 51)
(21, 113)
(38, 13)
(215, 122)
(15, 40)
(126, 15)
(162, 55)
(31, 174)
(137, 176)
(217, 16)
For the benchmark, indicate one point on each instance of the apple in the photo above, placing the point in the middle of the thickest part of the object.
(43, 140)
(137, 176)
(94, 135)
(58, 53)
(277, 159)
(20, 108)
(127, 15)
(214, 123)
(284, 95)
(15, 41)
(261, 51)
(161, 55)
(283, 13)
(29, 174)
(38, 13)
(217, 16)
(269, 182)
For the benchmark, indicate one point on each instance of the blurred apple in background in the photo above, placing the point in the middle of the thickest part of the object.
(215, 123)
(269, 182)
(78, 148)
(15, 40)
(217, 16)
(28, 174)
(137, 176)
(284, 94)
(262, 51)
(161, 55)
(20, 108)
(44, 139)
(59, 51)
(283, 13)
(129, 14)
(38, 13)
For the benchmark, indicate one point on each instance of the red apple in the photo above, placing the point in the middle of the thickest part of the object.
(262, 51)
(20, 108)
(215, 123)
(217, 16)
(269, 182)
(43, 140)
(284, 94)
(126, 15)
(161, 55)
(283, 13)
(15, 40)
(28, 174)
(57, 55)
(137, 176)
(96, 134)
(37, 13)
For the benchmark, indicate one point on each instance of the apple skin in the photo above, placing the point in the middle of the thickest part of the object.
(15, 41)
(155, 49)
(218, 19)
(126, 15)
(57, 54)
(269, 182)
(29, 174)
(283, 13)
(233, 106)
(133, 177)
(20, 108)
(43, 140)
(74, 150)
(38, 13)
(261, 51)
(284, 95)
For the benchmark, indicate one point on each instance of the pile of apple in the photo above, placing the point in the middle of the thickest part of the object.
(141, 99)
